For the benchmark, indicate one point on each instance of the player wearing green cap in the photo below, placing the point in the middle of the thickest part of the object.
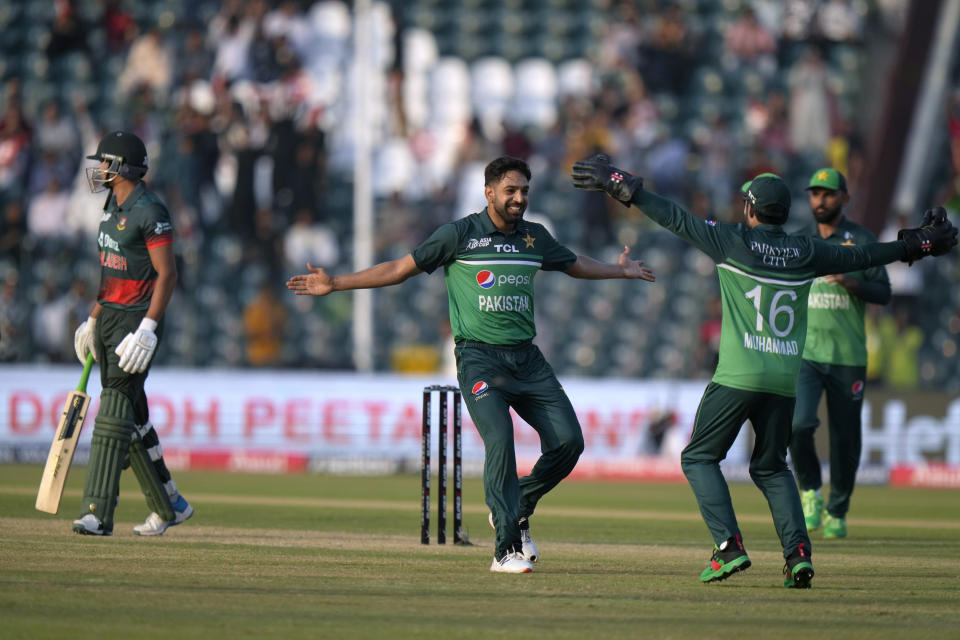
(834, 361)
(765, 275)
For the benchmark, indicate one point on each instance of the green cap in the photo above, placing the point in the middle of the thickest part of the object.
(770, 196)
(746, 185)
(828, 178)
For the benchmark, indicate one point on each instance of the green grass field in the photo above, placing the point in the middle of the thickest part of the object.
(322, 556)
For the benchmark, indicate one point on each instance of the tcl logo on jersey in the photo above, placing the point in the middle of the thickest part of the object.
(506, 248)
(487, 279)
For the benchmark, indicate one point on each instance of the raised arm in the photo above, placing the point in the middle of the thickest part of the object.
(319, 283)
(589, 269)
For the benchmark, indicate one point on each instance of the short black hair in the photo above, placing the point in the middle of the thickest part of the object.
(773, 214)
(500, 167)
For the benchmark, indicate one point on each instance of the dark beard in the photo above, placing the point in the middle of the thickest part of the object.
(830, 216)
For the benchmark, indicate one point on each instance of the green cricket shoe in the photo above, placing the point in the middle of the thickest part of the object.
(812, 508)
(727, 559)
(798, 570)
(834, 527)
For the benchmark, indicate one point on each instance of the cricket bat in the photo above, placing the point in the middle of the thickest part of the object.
(64, 444)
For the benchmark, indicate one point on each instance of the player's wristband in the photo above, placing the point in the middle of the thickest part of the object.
(148, 324)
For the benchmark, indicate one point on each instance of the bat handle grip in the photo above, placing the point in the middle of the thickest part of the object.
(87, 367)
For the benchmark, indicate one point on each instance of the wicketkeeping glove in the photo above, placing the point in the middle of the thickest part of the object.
(136, 349)
(597, 174)
(83, 339)
(934, 237)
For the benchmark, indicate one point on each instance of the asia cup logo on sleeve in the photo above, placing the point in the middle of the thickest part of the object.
(486, 279)
(479, 388)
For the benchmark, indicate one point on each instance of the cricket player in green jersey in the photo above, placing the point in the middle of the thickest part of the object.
(765, 276)
(138, 275)
(834, 361)
(489, 261)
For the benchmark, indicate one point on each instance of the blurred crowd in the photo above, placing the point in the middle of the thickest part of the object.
(247, 107)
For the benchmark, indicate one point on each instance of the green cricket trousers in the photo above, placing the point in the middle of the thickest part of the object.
(844, 388)
(494, 378)
(722, 412)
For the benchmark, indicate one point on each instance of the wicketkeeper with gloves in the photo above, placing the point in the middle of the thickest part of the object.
(138, 275)
(765, 276)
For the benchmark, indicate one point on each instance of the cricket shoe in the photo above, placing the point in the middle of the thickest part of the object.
(155, 525)
(728, 558)
(528, 547)
(90, 525)
(511, 562)
(798, 570)
(834, 527)
(812, 502)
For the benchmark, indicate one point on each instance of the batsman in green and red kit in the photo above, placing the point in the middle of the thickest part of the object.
(489, 261)
(765, 276)
(834, 361)
(138, 275)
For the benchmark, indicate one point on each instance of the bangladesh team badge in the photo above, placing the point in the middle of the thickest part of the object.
(122, 223)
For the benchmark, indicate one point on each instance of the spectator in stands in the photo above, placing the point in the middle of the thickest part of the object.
(149, 64)
(120, 26)
(55, 133)
(48, 211)
(264, 324)
(13, 231)
(839, 21)
(749, 45)
(51, 332)
(798, 19)
(14, 319)
(66, 34)
(15, 137)
(667, 51)
(49, 167)
(306, 242)
(810, 105)
(903, 340)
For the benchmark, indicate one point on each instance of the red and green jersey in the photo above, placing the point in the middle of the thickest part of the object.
(835, 329)
(765, 276)
(489, 275)
(127, 233)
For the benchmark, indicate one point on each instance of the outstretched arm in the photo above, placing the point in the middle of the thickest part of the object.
(590, 269)
(319, 283)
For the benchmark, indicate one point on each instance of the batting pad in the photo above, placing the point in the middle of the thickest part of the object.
(151, 442)
(146, 459)
(112, 430)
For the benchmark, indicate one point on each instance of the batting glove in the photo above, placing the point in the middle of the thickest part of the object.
(597, 174)
(83, 339)
(136, 349)
(935, 237)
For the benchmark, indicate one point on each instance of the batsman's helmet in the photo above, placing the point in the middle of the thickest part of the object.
(126, 154)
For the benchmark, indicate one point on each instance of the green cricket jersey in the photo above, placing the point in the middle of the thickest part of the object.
(765, 276)
(489, 275)
(127, 233)
(835, 330)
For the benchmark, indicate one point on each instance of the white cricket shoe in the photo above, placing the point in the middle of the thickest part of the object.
(512, 562)
(90, 525)
(155, 525)
(529, 548)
